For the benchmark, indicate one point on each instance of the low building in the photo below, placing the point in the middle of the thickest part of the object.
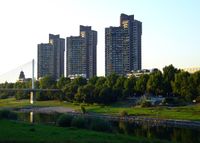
(138, 73)
(77, 75)
(192, 69)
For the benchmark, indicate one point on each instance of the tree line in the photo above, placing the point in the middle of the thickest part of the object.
(171, 82)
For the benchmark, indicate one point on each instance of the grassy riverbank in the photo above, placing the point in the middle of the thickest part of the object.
(14, 132)
(191, 112)
(13, 103)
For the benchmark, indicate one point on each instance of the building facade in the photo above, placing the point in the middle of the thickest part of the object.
(123, 46)
(51, 57)
(59, 52)
(81, 53)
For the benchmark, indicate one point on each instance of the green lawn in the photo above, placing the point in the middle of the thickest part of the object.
(13, 103)
(14, 132)
(191, 112)
(183, 113)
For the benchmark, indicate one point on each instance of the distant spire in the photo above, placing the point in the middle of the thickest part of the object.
(21, 76)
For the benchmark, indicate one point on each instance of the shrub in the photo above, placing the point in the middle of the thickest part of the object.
(141, 100)
(174, 101)
(123, 113)
(76, 103)
(198, 99)
(100, 125)
(22, 95)
(146, 104)
(6, 114)
(79, 122)
(95, 104)
(64, 120)
(83, 109)
(3, 95)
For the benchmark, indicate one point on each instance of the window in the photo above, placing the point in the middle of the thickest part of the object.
(125, 24)
(82, 33)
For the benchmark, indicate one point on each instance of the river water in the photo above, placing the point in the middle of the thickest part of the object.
(148, 130)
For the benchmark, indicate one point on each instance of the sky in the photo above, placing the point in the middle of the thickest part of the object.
(170, 32)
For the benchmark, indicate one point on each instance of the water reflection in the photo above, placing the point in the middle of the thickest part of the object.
(31, 117)
(42, 118)
(173, 134)
(146, 129)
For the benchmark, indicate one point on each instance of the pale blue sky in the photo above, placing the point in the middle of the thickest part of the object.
(171, 28)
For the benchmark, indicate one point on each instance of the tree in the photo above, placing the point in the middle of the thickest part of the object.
(100, 82)
(168, 77)
(62, 82)
(37, 84)
(182, 86)
(141, 84)
(6, 94)
(20, 85)
(79, 81)
(47, 82)
(93, 80)
(194, 86)
(120, 82)
(129, 86)
(111, 80)
(196, 83)
(41, 96)
(22, 95)
(155, 83)
(85, 94)
(70, 90)
(9, 85)
(106, 96)
(79, 95)
(119, 87)
(88, 93)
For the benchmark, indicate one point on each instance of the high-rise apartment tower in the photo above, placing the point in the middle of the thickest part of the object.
(81, 53)
(51, 57)
(123, 46)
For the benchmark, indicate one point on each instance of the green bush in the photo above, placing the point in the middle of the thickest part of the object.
(198, 99)
(7, 94)
(83, 109)
(43, 96)
(100, 125)
(123, 113)
(146, 104)
(64, 120)
(174, 101)
(3, 96)
(79, 122)
(22, 95)
(6, 114)
(76, 103)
